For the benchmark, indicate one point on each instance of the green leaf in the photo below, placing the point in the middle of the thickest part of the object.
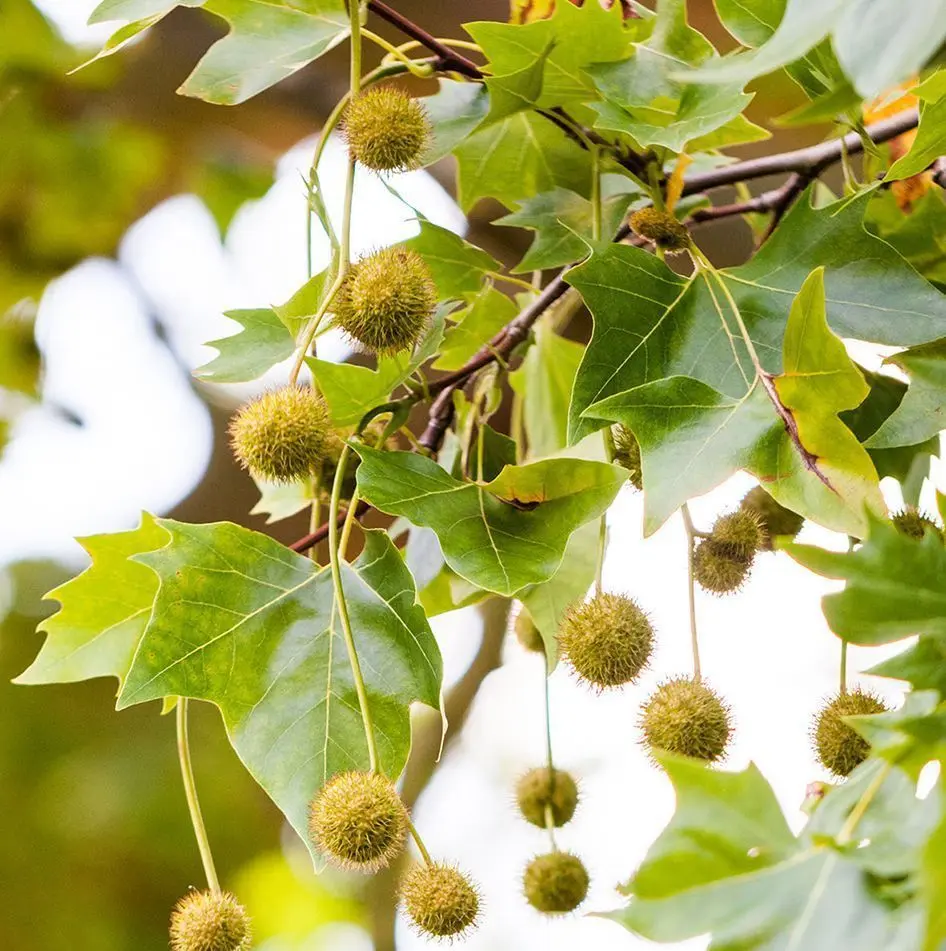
(304, 304)
(923, 665)
(454, 112)
(933, 887)
(576, 36)
(644, 100)
(501, 535)
(245, 623)
(693, 437)
(510, 93)
(894, 585)
(488, 312)
(922, 413)
(751, 23)
(548, 601)
(883, 42)
(262, 342)
(458, 267)
(920, 236)
(282, 500)
(104, 610)
(728, 865)
(516, 158)
(804, 24)
(562, 222)
(930, 142)
(650, 323)
(268, 41)
(544, 381)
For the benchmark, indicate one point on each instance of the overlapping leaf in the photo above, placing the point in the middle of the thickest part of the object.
(894, 585)
(457, 267)
(501, 535)
(488, 312)
(643, 99)
(245, 623)
(572, 38)
(269, 40)
(729, 866)
(104, 610)
(692, 437)
(262, 342)
(651, 323)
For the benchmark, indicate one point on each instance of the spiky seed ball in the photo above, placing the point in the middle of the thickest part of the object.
(717, 570)
(627, 453)
(359, 821)
(386, 301)
(439, 899)
(555, 883)
(913, 523)
(539, 788)
(739, 532)
(662, 228)
(838, 746)
(387, 130)
(607, 640)
(527, 633)
(775, 519)
(686, 717)
(283, 435)
(209, 921)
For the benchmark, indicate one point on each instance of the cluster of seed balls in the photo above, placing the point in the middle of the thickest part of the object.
(359, 823)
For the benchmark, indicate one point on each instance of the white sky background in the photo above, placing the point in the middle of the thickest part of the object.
(146, 444)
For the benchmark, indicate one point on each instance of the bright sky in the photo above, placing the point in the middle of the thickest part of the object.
(146, 443)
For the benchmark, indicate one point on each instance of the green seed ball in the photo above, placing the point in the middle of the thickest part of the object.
(283, 435)
(359, 821)
(739, 532)
(527, 633)
(775, 519)
(209, 921)
(608, 640)
(627, 453)
(687, 718)
(555, 883)
(386, 301)
(387, 130)
(662, 228)
(717, 569)
(440, 900)
(539, 788)
(914, 524)
(838, 746)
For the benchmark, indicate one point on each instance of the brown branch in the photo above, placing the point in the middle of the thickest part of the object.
(809, 162)
(448, 60)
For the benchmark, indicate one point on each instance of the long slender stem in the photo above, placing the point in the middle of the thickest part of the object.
(602, 549)
(312, 328)
(549, 758)
(692, 535)
(596, 208)
(419, 842)
(335, 556)
(190, 791)
(843, 666)
(421, 69)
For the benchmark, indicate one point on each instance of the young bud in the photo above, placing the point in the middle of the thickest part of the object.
(282, 436)
(209, 921)
(915, 524)
(627, 453)
(555, 883)
(539, 789)
(386, 301)
(607, 640)
(687, 718)
(662, 228)
(359, 821)
(774, 519)
(387, 130)
(440, 900)
(839, 747)
(527, 633)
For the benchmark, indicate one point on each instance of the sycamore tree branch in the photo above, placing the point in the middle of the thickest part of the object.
(802, 167)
